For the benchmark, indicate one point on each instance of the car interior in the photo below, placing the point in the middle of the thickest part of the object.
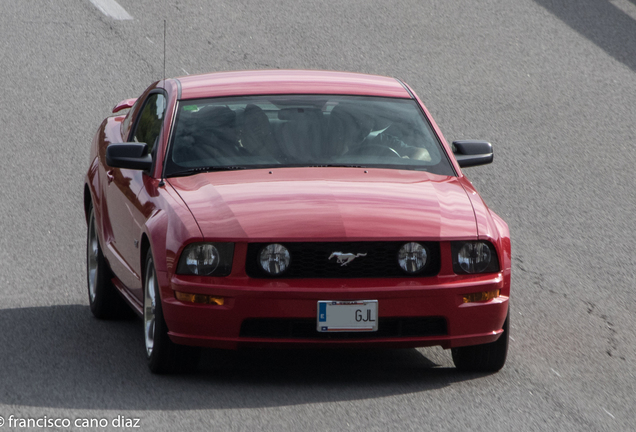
(303, 131)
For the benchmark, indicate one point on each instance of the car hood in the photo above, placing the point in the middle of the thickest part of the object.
(328, 204)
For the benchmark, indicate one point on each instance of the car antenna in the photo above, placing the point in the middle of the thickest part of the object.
(161, 182)
(164, 54)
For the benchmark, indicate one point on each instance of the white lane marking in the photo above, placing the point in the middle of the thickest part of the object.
(112, 9)
(625, 6)
(609, 413)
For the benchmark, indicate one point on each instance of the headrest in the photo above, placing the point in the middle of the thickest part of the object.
(353, 117)
(218, 116)
(254, 113)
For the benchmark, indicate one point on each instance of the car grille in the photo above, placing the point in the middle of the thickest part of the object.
(311, 260)
(305, 328)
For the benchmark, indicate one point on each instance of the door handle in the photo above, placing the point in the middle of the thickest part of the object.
(110, 176)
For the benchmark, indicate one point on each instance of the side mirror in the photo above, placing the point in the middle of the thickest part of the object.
(130, 155)
(126, 103)
(472, 153)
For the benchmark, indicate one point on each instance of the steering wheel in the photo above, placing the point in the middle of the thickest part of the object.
(373, 150)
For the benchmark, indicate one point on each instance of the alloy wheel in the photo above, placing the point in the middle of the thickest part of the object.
(150, 303)
(92, 255)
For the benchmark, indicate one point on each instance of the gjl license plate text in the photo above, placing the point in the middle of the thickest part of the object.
(347, 316)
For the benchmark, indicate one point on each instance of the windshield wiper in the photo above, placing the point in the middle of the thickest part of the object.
(199, 170)
(335, 166)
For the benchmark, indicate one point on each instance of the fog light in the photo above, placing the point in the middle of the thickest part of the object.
(274, 259)
(199, 298)
(481, 296)
(412, 257)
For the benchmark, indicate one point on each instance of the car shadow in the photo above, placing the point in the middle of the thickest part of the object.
(62, 357)
(602, 22)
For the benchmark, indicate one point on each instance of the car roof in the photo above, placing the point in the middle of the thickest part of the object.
(261, 82)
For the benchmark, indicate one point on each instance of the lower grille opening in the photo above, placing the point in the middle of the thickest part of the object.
(305, 328)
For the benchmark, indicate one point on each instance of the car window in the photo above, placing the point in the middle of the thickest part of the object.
(150, 119)
(125, 126)
(304, 130)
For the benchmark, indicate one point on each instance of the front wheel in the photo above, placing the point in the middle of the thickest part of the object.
(104, 301)
(163, 355)
(489, 357)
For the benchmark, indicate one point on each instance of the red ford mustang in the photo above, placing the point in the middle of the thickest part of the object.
(293, 208)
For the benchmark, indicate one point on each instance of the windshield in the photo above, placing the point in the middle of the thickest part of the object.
(303, 130)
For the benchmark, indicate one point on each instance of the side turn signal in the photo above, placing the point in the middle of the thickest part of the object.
(481, 296)
(199, 298)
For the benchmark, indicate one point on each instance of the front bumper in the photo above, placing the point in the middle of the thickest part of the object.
(398, 299)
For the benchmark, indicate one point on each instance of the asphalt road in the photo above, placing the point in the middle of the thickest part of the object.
(551, 83)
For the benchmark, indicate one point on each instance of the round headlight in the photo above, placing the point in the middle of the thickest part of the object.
(202, 259)
(412, 257)
(274, 259)
(474, 257)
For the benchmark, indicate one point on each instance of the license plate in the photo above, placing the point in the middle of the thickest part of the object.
(347, 316)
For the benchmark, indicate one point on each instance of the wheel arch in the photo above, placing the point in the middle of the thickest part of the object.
(88, 202)
(144, 247)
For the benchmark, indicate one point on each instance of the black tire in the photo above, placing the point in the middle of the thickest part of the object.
(489, 357)
(104, 301)
(163, 355)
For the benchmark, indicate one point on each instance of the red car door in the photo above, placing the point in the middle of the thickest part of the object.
(122, 195)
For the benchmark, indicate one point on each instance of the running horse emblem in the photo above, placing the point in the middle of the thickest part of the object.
(345, 258)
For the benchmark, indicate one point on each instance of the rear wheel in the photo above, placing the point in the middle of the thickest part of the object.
(163, 355)
(105, 302)
(489, 357)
